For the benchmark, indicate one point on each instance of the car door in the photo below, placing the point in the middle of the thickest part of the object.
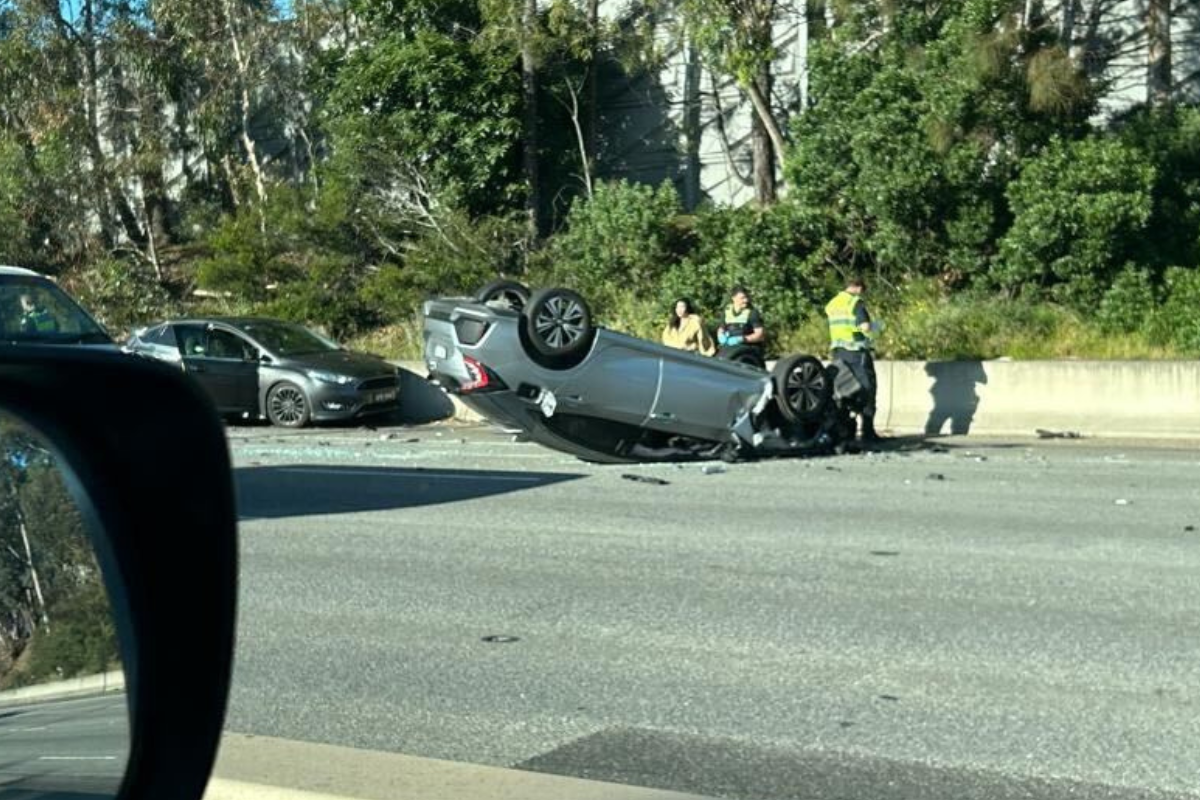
(617, 382)
(702, 397)
(224, 362)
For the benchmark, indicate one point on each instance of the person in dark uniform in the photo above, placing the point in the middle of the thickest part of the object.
(743, 325)
(34, 318)
(851, 337)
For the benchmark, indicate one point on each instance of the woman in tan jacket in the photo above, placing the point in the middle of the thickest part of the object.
(685, 330)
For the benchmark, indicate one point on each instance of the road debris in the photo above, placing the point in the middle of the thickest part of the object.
(1042, 433)
(1189, 528)
(645, 479)
(712, 469)
(1121, 501)
(936, 476)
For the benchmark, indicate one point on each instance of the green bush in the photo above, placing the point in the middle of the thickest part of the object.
(457, 259)
(1170, 139)
(81, 639)
(326, 294)
(774, 253)
(1078, 208)
(1129, 303)
(121, 294)
(624, 239)
(251, 252)
(1178, 321)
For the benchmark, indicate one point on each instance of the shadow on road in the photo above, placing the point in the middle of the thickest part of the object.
(17, 786)
(302, 490)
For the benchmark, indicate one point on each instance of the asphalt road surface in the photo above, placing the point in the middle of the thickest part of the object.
(64, 750)
(954, 619)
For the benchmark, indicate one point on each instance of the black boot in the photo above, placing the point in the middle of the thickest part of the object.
(869, 434)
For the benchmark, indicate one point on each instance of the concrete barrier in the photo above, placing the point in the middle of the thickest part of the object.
(61, 690)
(1152, 399)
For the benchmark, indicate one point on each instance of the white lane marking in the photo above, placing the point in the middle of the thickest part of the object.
(449, 476)
(77, 758)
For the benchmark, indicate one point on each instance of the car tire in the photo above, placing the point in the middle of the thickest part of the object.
(288, 406)
(802, 388)
(558, 325)
(511, 294)
(744, 354)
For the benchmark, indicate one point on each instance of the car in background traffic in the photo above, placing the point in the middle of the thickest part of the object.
(34, 310)
(267, 368)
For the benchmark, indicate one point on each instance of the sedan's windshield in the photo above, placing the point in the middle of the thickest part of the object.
(286, 339)
(35, 310)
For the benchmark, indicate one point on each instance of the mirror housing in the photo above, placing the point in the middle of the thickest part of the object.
(150, 461)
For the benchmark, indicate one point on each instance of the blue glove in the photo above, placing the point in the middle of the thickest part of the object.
(734, 341)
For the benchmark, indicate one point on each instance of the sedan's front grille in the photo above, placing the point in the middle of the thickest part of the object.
(371, 384)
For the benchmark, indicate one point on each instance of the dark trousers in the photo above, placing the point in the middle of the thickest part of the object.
(862, 366)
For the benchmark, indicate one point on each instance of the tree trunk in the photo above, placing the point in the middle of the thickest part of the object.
(1066, 32)
(1158, 32)
(814, 17)
(592, 124)
(764, 135)
(91, 100)
(33, 573)
(533, 202)
(693, 129)
(242, 64)
(110, 198)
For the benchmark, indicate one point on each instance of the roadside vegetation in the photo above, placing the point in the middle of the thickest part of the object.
(55, 619)
(337, 161)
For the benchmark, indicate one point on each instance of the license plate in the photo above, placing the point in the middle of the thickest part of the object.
(384, 397)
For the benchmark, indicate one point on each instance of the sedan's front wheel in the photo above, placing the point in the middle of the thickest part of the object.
(287, 406)
(802, 387)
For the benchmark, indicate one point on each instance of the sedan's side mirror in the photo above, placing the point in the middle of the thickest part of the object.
(146, 465)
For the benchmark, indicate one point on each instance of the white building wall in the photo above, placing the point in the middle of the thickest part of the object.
(645, 120)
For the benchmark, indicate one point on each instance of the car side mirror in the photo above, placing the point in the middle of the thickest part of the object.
(147, 469)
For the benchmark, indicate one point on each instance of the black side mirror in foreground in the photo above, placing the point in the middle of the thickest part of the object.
(118, 553)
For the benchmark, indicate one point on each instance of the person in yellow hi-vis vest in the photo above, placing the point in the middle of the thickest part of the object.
(851, 338)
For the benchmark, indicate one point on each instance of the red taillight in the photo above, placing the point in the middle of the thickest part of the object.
(480, 379)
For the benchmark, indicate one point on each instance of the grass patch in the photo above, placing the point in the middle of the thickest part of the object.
(399, 342)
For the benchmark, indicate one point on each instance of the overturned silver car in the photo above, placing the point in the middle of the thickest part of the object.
(535, 362)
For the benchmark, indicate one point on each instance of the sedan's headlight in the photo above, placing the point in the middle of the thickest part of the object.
(330, 377)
